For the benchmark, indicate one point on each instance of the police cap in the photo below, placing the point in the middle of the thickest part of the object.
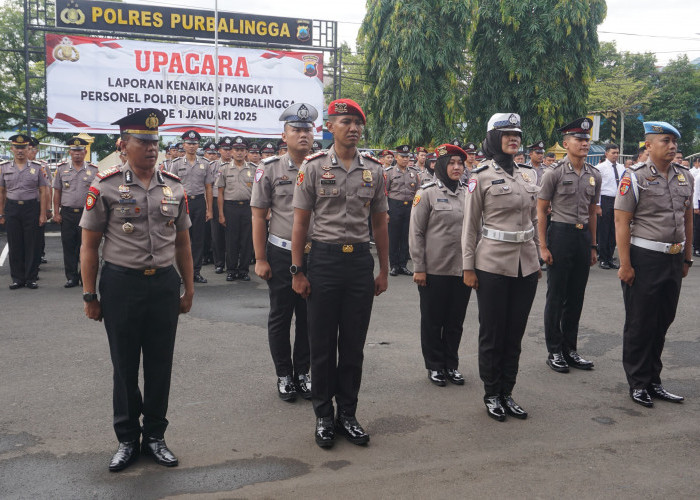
(142, 124)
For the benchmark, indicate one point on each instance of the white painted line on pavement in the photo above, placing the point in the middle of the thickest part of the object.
(3, 255)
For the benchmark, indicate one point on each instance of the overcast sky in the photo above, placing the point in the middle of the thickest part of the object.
(666, 27)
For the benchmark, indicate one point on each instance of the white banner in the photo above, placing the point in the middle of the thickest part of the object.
(92, 82)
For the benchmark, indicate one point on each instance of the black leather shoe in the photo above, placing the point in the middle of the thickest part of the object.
(613, 265)
(32, 284)
(198, 278)
(512, 408)
(325, 432)
(126, 454)
(575, 360)
(641, 397)
(71, 284)
(44, 261)
(406, 271)
(494, 409)
(437, 377)
(351, 429)
(286, 389)
(454, 376)
(604, 264)
(244, 276)
(231, 277)
(219, 270)
(657, 391)
(16, 284)
(556, 362)
(394, 271)
(303, 384)
(159, 451)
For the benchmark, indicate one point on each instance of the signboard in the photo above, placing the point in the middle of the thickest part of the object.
(92, 82)
(133, 19)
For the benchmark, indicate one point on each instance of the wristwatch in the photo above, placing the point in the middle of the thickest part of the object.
(294, 269)
(89, 297)
(689, 262)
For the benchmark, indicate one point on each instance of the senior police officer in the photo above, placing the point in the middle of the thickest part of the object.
(235, 184)
(70, 185)
(273, 192)
(571, 188)
(197, 180)
(402, 182)
(653, 225)
(23, 186)
(341, 187)
(142, 214)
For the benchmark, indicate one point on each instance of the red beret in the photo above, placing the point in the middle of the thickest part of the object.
(450, 149)
(421, 149)
(346, 107)
(386, 152)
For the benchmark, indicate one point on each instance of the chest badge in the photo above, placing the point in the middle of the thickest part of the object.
(367, 176)
(591, 180)
(128, 227)
(326, 167)
(526, 177)
(505, 187)
(249, 174)
(32, 171)
(167, 191)
(681, 178)
(327, 175)
(201, 166)
(411, 174)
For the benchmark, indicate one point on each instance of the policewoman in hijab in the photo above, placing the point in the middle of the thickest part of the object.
(436, 252)
(500, 259)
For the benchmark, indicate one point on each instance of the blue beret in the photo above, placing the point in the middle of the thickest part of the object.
(661, 128)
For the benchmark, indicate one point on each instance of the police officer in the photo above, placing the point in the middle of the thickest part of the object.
(316, 147)
(23, 185)
(653, 213)
(70, 185)
(267, 150)
(253, 153)
(281, 147)
(235, 184)
(387, 158)
(402, 182)
(142, 214)
(210, 151)
(421, 156)
(571, 188)
(273, 191)
(436, 253)
(32, 151)
(218, 235)
(500, 259)
(536, 150)
(197, 180)
(341, 187)
(470, 163)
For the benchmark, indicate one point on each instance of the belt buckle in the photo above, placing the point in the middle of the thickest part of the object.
(191, 197)
(405, 203)
(579, 226)
(675, 248)
(20, 202)
(149, 272)
(76, 210)
(348, 249)
(307, 247)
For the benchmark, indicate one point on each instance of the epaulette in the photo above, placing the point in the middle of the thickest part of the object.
(270, 159)
(637, 166)
(557, 164)
(3, 162)
(64, 162)
(480, 168)
(428, 184)
(386, 169)
(523, 165)
(108, 173)
(171, 175)
(413, 167)
(315, 155)
(92, 165)
(680, 166)
(365, 154)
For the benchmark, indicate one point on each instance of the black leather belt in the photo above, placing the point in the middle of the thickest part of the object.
(399, 201)
(71, 209)
(238, 202)
(340, 247)
(151, 271)
(195, 196)
(22, 202)
(576, 227)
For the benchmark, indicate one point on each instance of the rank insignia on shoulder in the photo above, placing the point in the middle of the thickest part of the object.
(365, 154)
(105, 174)
(270, 159)
(523, 165)
(637, 166)
(171, 175)
(316, 155)
(427, 184)
(479, 169)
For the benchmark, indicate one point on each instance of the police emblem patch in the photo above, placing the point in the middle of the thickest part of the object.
(625, 185)
(416, 200)
(258, 174)
(471, 186)
(300, 178)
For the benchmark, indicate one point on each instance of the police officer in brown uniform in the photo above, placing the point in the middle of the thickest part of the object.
(536, 150)
(218, 232)
(273, 191)
(281, 147)
(571, 188)
(197, 180)
(23, 186)
(210, 151)
(653, 226)
(267, 150)
(436, 252)
(32, 151)
(316, 147)
(500, 259)
(71, 184)
(235, 184)
(470, 163)
(341, 187)
(254, 155)
(402, 182)
(142, 214)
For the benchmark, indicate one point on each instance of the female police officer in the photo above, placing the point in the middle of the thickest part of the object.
(437, 211)
(502, 266)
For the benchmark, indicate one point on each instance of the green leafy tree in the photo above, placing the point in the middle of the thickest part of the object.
(414, 52)
(536, 58)
(352, 77)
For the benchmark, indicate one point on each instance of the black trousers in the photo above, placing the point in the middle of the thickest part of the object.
(566, 285)
(284, 303)
(70, 240)
(198, 216)
(399, 220)
(239, 235)
(606, 229)
(696, 231)
(443, 305)
(339, 310)
(504, 306)
(218, 238)
(22, 226)
(140, 315)
(650, 308)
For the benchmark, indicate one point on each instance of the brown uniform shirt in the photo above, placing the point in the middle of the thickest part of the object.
(505, 203)
(402, 185)
(341, 200)
(434, 236)
(570, 194)
(139, 224)
(74, 184)
(215, 168)
(237, 182)
(658, 204)
(194, 176)
(22, 184)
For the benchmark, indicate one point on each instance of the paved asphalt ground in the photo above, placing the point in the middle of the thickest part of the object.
(235, 439)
